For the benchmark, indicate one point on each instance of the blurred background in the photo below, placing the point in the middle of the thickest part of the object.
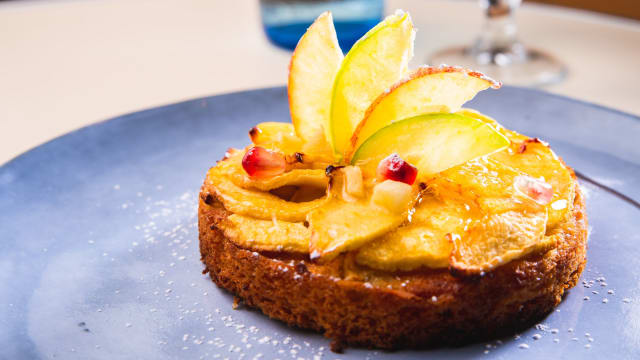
(65, 64)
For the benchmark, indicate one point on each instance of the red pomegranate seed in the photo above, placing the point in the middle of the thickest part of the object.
(260, 162)
(394, 168)
(538, 190)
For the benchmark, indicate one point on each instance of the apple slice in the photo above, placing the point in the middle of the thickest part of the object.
(427, 90)
(346, 223)
(312, 70)
(340, 226)
(496, 239)
(374, 63)
(431, 142)
(276, 136)
(422, 242)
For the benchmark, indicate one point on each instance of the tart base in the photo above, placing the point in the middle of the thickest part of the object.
(433, 308)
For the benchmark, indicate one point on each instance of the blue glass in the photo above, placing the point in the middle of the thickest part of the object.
(286, 21)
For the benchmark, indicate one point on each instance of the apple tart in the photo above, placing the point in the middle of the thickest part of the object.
(386, 215)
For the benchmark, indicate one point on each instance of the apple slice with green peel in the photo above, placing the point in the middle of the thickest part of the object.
(312, 70)
(430, 142)
(427, 90)
(378, 60)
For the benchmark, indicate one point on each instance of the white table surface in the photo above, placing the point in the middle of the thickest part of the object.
(67, 64)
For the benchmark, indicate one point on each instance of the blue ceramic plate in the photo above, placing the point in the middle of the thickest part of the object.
(99, 246)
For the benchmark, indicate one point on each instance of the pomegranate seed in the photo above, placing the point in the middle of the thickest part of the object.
(394, 168)
(538, 190)
(260, 162)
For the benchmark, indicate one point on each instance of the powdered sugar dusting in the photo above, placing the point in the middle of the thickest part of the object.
(159, 297)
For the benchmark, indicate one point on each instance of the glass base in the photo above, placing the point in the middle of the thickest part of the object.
(519, 66)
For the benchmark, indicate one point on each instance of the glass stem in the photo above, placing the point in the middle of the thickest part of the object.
(498, 43)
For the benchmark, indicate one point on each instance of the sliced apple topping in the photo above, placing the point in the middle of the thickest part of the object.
(394, 168)
(259, 162)
(340, 226)
(344, 224)
(317, 146)
(535, 158)
(395, 196)
(266, 235)
(313, 68)
(427, 90)
(374, 63)
(377, 132)
(432, 142)
(496, 239)
(353, 183)
(421, 242)
(309, 178)
(231, 168)
(276, 136)
(538, 161)
(255, 203)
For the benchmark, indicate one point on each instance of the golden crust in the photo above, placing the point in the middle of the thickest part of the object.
(392, 310)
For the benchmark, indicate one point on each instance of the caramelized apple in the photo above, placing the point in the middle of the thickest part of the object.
(353, 184)
(276, 136)
(395, 196)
